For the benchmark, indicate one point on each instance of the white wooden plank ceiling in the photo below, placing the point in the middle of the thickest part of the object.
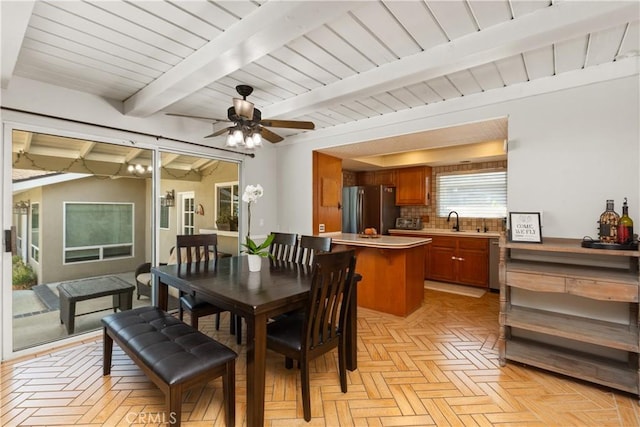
(335, 63)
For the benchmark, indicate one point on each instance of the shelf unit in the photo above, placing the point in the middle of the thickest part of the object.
(571, 344)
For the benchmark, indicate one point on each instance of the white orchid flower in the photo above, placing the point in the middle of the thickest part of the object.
(252, 193)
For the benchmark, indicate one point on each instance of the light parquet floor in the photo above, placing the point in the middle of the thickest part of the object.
(439, 366)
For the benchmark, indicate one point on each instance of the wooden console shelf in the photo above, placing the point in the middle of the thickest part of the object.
(573, 344)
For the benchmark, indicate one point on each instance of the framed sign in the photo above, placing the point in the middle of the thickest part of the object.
(525, 227)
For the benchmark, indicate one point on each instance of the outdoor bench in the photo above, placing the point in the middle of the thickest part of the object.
(172, 354)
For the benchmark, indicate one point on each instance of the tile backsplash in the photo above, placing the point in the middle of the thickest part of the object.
(428, 213)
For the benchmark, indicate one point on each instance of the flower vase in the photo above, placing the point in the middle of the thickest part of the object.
(255, 262)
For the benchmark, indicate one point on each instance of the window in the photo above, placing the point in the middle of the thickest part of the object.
(473, 195)
(226, 200)
(164, 214)
(97, 231)
(35, 232)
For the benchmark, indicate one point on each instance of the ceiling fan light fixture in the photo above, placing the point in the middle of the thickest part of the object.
(249, 142)
(231, 140)
(257, 139)
(238, 135)
(243, 108)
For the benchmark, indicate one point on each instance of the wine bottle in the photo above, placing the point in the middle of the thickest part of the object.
(625, 226)
(609, 224)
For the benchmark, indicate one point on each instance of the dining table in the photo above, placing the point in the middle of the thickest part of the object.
(279, 287)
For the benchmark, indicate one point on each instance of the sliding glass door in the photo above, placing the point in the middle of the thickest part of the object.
(80, 226)
(92, 216)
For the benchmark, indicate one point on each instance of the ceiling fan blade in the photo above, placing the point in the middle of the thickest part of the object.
(209, 119)
(270, 136)
(219, 132)
(294, 124)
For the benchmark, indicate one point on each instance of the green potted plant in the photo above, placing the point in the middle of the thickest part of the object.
(233, 223)
(224, 222)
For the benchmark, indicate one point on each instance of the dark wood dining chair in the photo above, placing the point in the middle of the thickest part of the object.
(283, 246)
(192, 249)
(320, 327)
(310, 246)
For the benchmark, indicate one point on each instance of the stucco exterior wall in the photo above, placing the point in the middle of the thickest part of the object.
(52, 268)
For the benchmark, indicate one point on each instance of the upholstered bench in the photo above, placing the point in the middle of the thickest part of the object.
(172, 354)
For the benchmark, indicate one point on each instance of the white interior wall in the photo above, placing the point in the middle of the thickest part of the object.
(569, 151)
(572, 150)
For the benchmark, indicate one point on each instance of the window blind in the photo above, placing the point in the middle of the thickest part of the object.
(472, 195)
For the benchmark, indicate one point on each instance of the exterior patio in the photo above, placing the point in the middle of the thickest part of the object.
(37, 321)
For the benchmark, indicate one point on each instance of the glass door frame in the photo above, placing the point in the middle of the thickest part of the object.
(52, 126)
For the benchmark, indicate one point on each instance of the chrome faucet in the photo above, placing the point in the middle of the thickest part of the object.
(457, 226)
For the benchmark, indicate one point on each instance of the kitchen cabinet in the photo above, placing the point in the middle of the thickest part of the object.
(549, 293)
(454, 257)
(381, 177)
(365, 178)
(412, 186)
(385, 177)
(462, 260)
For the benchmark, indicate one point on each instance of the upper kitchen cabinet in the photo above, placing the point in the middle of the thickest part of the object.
(381, 177)
(412, 186)
(366, 178)
(385, 177)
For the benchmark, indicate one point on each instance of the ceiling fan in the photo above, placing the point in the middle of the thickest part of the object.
(249, 128)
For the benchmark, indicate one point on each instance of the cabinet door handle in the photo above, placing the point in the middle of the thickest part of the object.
(454, 258)
(460, 259)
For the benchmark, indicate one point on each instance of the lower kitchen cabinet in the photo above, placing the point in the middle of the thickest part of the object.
(461, 260)
(454, 259)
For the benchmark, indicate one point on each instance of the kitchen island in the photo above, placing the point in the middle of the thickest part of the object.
(392, 270)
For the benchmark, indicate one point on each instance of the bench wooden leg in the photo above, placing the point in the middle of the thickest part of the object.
(107, 349)
(229, 393)
(174, 404)
(68, 313)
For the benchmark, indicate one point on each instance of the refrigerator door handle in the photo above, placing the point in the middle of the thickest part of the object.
(360, 211)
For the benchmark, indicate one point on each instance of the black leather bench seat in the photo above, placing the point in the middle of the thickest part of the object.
(174, 355)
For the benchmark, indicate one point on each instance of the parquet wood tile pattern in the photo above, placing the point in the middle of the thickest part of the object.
(439, 366)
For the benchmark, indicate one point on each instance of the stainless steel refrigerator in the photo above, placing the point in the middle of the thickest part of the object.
(369, 206)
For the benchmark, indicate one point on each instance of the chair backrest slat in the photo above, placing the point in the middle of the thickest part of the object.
(333, 275)
(283, 246)
(196, 248)
(310, 246)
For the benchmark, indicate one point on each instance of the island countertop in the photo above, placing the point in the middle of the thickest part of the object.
(381, 241)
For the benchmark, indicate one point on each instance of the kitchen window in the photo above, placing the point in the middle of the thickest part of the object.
(473, 194)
